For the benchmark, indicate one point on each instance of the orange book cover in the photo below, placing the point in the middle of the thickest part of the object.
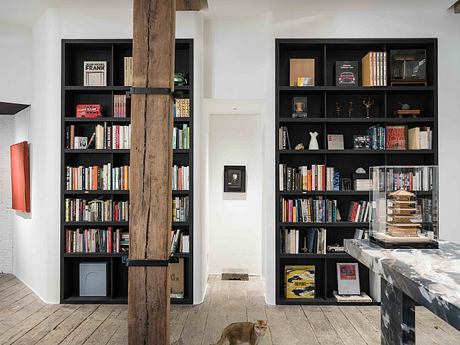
(94, 178)
(309, 180)
(20, 179)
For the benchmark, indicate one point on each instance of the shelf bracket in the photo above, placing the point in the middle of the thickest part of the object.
(147, 262)
(151, 91)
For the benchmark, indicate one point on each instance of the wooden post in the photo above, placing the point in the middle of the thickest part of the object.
(151, 164)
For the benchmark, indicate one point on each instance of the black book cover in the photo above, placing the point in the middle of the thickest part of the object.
(346, 73)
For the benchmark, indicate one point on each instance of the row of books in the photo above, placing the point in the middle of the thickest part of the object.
(119, 106)
(181, 107)
(312, 240)
(419, 179)
(181, 138)
(360, 211)
(374, 69)
(283, 138)
(180, 177)
(103, 177)
(115, 137)
(180, 242)
(316, 178)
(309, 210)
(376, 137)
(96, 240)
(180, 209)
(96, 210)
(420, 138)
(103, 137)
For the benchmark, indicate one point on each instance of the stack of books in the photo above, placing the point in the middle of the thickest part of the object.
(312, 240)
(180, 242)
(82, 210)
(360, 211)
(316, 178)
(128, 70)
(119, 106)
(420, 138)
(374, 69)
(180, 209)
(181, 138)
(96, 240)
(309, 210)
(180, 177)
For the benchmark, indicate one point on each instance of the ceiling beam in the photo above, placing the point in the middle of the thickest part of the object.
(191, 5)
(457, 7)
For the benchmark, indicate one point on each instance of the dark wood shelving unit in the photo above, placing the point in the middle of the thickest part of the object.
(322, 119)
(74, 52)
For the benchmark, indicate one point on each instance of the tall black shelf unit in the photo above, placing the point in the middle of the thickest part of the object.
(322, 118)
(74, 52)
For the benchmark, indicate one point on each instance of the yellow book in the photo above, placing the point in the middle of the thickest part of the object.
(300, 281)
(367, 70)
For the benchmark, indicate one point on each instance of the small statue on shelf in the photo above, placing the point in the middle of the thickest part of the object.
(338, 109)
(350, 109)
(299, 147)
(313, 141)
(368, 103)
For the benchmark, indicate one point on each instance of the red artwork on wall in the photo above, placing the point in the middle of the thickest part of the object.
(20, 181)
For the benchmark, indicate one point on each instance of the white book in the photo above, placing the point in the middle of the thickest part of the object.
(95, 73)
(185, 244)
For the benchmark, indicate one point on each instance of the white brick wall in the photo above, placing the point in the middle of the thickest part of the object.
(6, 215)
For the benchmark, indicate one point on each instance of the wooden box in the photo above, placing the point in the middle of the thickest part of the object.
(301, 68)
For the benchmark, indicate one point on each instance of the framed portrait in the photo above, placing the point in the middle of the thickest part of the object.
(234, 179)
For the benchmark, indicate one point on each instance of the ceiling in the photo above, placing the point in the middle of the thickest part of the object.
(25, 12)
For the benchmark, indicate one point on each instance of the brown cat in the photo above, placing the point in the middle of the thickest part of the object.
(243, 332)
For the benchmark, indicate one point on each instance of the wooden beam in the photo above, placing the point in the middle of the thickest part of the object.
(457, 7)
(191, 5)
(151, 165)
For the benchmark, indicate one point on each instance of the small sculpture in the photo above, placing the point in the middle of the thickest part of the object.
(299, 147)
(313, 141)
(368, 103)
(350, 109)
(338, 109)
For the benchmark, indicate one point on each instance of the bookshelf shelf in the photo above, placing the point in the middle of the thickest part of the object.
(322, 118)
(98, 151)
(355, 152)
(74, 52)
(97, 119)
(324, 225)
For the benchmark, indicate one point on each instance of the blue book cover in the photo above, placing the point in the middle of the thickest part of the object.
(336, 181)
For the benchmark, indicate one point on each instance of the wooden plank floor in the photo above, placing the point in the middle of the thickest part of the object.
(26, 320)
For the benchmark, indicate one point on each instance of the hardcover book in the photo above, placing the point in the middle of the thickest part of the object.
(300, 281)
(95, 73)
(348, 278)
(396, 138)
(335, 142)
(346, 73)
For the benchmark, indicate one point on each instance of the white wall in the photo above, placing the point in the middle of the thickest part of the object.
(6, 214)
(235, 225)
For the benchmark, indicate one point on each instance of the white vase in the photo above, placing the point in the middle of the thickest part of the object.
(313, 141)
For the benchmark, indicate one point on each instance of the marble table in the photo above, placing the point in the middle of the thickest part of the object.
(429, 277)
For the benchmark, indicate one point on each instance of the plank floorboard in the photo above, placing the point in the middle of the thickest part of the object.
(26, 320)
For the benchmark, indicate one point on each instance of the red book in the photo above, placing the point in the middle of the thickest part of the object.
(20, 179)
(396, 138)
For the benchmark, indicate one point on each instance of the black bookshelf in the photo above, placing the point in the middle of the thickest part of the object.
(322, 118)
(74, 52)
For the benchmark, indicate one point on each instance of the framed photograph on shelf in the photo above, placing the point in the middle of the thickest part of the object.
(348, 278)
(361, 142)
(234, 178)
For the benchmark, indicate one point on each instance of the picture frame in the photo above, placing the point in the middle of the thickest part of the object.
(348, 278)
(299, 107)
(361, 142)
(235, 179)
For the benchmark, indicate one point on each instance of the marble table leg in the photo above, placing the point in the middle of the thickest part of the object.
(397, 316)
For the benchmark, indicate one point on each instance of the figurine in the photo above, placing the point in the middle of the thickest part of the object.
(299, 147)
(350, 109)
(313, 141)
(407, 111)
(304, 248)
(299, 107)
(368, 103)
(338, 109)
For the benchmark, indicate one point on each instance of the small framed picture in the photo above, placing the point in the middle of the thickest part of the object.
(361, 142)
(348, 278)
(299, 107)
(234, 179)
(81, 142)
(345, 183)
